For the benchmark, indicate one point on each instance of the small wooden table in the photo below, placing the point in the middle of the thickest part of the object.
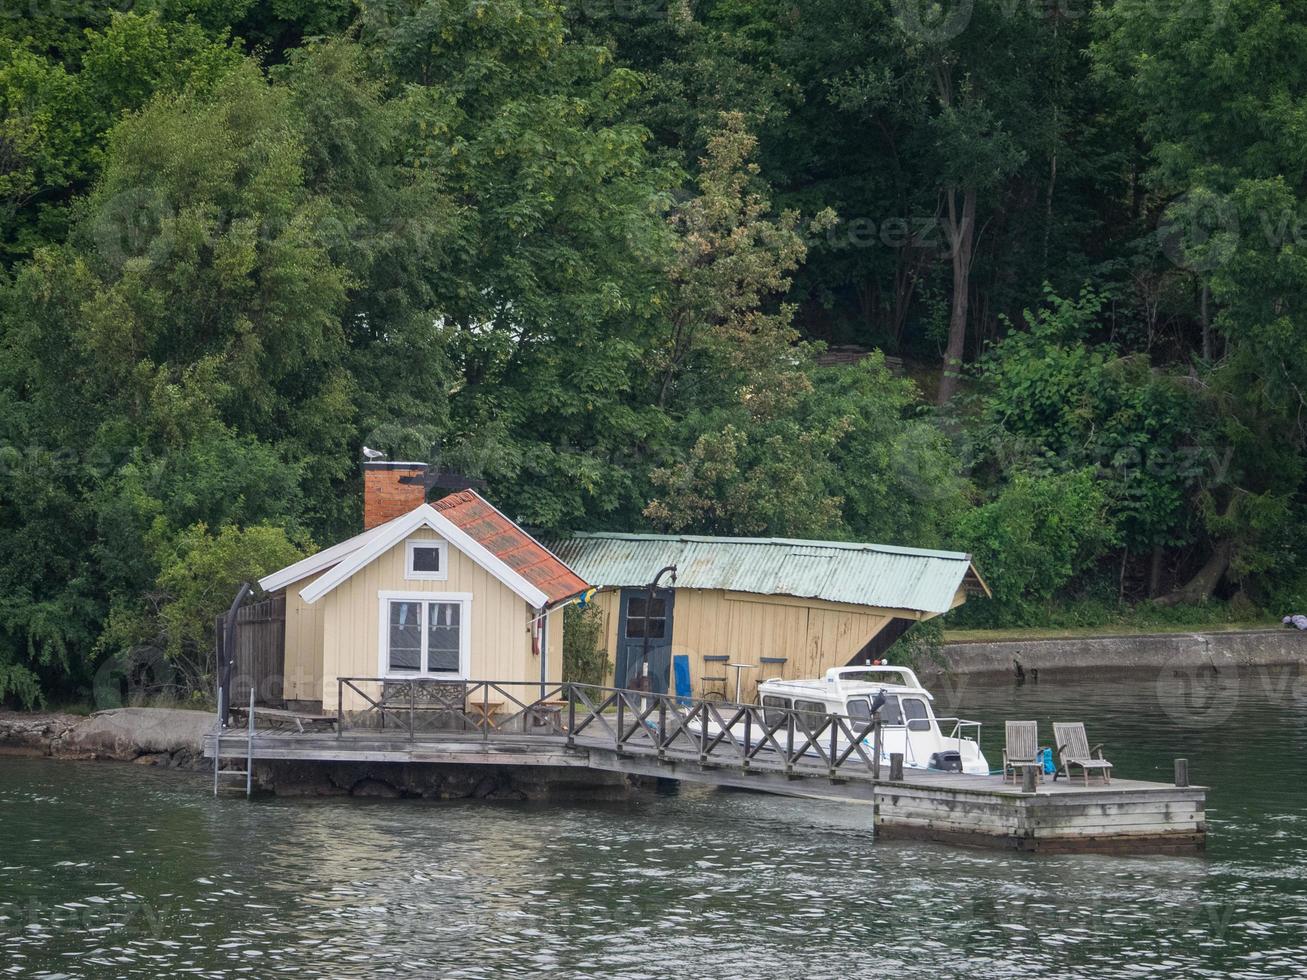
(483, 711)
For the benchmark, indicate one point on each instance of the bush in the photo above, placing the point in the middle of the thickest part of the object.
(585, 659)
(1032, 540)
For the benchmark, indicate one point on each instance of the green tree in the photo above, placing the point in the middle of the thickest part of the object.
(1033, 539)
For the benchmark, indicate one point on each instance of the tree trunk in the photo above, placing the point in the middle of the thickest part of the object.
(1207, 327)
(1204, 583)
(1155, 572)
(962, 237)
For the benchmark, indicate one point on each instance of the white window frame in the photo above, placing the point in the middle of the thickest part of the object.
(415, 576)
(464, 599)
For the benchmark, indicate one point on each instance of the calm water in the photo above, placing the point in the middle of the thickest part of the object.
(113, 870)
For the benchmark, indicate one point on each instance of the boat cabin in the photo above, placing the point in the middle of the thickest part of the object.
(908, 721)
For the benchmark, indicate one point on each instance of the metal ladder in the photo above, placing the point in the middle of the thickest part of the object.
(248, 771)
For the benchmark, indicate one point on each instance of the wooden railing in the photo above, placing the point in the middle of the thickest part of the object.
(722, 733)
(423, 705)
(667, 727)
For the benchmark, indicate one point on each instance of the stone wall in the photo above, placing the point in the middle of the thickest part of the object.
(430, 781)
(1236, 648)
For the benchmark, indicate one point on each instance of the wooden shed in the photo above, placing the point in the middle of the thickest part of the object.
(449, 590)
(782, 607)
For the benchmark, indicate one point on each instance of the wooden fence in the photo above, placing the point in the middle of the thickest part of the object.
(260, 658)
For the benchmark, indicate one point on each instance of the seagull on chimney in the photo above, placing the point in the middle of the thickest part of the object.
(373, 454)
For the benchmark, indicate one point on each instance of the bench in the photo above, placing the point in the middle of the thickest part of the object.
(280, 717)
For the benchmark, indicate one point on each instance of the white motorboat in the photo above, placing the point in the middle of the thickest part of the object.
(908, 723)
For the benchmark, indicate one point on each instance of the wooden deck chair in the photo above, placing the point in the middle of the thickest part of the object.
(1021, 747)
(1073, 750)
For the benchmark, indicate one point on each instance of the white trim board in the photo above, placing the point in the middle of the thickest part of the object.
(317, 562)
(400, 528)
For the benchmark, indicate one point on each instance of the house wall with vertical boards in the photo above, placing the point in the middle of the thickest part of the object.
(812, 635)
(304, 632)
(500, 640)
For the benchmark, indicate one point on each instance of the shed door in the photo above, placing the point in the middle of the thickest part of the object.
(644, 619)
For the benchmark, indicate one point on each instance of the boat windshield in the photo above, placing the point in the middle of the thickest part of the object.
(859, 711)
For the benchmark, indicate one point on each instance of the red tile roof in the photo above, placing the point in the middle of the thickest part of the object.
(511, 545)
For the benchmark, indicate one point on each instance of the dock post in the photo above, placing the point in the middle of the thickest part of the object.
(875, 749)
(571, 717)
(896, 766)
(834, 743)
(748, 739)
(1182, 772)
(1029, 778)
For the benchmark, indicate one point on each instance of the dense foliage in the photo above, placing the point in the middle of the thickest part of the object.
(593, 253)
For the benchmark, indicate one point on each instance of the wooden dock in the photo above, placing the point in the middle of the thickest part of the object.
(658, 736)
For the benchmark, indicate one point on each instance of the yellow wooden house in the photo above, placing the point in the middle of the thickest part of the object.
(450, 590)
(744, 609)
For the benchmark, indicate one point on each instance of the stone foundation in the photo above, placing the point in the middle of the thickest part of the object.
(431, 781)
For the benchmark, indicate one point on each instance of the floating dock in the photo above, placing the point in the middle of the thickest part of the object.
(642, 735)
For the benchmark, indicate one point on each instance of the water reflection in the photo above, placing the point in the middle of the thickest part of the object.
(117, 871)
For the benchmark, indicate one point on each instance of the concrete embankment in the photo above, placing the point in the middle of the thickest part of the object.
(1152, 651)
(148, 736)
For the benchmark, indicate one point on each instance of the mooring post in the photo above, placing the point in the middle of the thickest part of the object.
(896, 766)
(662, 728)
(748, 738)
(1029, 777)
(834, 743)
(1182, 772)
(571, 717)
(875, 749)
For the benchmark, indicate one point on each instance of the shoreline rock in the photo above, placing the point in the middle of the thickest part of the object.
(168, 737)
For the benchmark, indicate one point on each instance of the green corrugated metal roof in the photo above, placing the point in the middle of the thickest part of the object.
(836, 571)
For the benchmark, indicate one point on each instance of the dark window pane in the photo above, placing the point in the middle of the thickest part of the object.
(657, 607)
(405, 636)
(813, 708)
(443, 626)
(426, 559)
(655, 628)
(914, 709)
(890, 714)
(634, 627)
(859, 711)
(770, 714)
(635, 608)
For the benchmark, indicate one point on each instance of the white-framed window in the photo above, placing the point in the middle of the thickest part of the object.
(425, 634)
(426, 560)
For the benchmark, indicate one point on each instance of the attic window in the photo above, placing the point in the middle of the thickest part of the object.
(427, 560)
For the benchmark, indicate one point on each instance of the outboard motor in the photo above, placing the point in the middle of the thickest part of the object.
(948, 761)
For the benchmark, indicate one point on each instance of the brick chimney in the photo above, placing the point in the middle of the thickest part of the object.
(391, 490)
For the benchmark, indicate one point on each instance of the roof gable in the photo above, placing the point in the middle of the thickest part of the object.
(371, 546)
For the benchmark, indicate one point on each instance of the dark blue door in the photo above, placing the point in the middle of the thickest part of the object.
(644, 619)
